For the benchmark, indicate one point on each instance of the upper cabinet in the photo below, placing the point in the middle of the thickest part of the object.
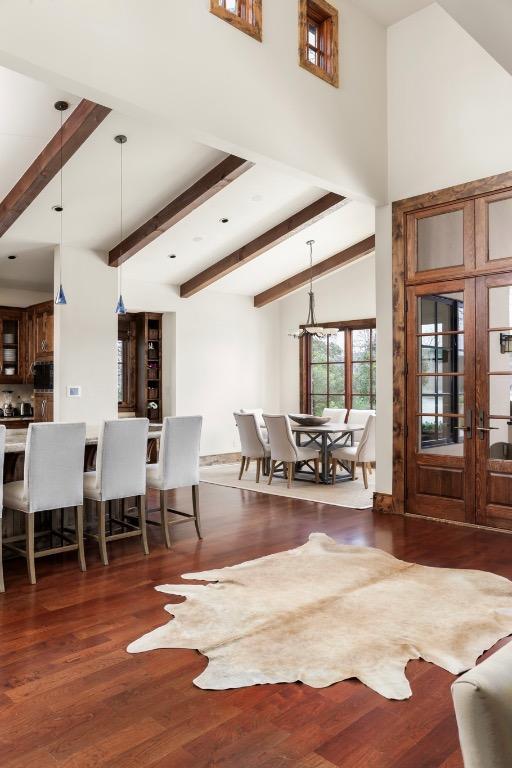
(42, 320)
(493, 230)
(12, 349)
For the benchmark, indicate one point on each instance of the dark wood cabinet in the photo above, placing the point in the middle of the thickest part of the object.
(12, 346)
(149, 365)
(43, 331)
(43, 406)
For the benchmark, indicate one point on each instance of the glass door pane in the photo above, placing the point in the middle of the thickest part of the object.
(440, 397)
(440, 241)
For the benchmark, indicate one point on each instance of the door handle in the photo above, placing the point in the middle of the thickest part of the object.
(481, 428)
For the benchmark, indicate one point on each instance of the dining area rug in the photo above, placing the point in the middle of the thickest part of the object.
(351, 494)
(326, 612)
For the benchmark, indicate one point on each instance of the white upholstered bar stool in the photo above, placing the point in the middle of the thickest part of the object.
(120, 474)
(54, 465)
(363, 453)
(283, 449)
(483, 706)
(253, 446)
(336, 415)
(2, 455)
(178, 467)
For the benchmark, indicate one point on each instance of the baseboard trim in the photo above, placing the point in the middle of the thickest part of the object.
(383, 502)
(220, 458)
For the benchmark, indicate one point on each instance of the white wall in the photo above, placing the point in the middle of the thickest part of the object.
(449, 106)
(348, 294)
(21, 297)
(85, 337)
(449, 118)
(213, 83)
(226, 356)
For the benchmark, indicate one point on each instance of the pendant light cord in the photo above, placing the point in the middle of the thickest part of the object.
(61, 203)
(121, 218)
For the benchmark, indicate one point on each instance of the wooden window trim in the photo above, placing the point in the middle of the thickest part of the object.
(248, 19)
(305, 362)
(326, 17)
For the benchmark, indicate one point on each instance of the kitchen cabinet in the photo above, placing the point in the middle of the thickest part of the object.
(43, 406)
(12, 346)
(42, 331)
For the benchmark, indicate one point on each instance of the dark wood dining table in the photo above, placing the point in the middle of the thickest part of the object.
(326, 437)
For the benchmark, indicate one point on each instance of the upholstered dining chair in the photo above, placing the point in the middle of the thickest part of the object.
(54, 465)
(359, 416)
(2, 455)
(363, 453)
(177, 467)
(120, 474)
(483, 707)
(283, 449)
(253, 446)
(258, 413)
(337, 415)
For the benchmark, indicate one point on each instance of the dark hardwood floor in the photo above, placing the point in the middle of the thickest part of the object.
(72, 697)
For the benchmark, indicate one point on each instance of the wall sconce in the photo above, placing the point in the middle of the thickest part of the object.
(505, 343)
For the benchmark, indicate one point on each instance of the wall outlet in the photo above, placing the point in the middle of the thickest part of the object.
(75, 391)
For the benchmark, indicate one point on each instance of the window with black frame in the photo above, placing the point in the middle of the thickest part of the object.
(441, 367)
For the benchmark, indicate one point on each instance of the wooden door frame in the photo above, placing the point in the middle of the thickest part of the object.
(400, 209)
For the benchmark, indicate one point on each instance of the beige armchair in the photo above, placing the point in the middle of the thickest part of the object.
(363, 453)
(252, 443)
(283, 449)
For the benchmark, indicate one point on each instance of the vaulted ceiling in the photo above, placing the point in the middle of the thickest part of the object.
(158, 167)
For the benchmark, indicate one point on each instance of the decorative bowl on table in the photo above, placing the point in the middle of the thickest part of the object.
(307, 420)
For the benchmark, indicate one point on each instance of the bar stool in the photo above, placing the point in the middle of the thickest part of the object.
(2, 455)
(120, 474)
(178, 467)
(54, 465)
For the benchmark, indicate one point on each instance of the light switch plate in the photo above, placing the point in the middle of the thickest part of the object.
(75, 391)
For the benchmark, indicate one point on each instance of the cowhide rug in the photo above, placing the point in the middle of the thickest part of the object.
(325, 612)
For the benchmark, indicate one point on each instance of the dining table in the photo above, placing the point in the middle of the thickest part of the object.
(326, 437)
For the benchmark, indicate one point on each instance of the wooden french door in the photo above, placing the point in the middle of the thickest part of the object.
(493, 402)
(441, 399)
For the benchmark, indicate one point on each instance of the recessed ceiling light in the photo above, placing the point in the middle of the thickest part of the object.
(12, 256)
(224, 220)
(197, 239)
(172, 255)
(257, 198)
(57, 208)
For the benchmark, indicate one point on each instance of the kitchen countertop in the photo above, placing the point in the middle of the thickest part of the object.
(15, 439)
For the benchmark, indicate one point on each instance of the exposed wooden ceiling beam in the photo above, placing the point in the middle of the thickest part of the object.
(208, 185)
(75, 131)
(304, 218)
(322, 268)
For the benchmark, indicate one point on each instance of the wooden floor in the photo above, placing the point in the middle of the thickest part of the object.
(72, 697)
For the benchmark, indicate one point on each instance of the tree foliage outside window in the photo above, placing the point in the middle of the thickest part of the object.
(341, 370)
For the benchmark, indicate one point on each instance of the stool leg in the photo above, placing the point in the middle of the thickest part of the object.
(101, 507)
(195, 506)
(141, 504)
(163, 519)
(79, 533)
(2, 585)
(30, 547)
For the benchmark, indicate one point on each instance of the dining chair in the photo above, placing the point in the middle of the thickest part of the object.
(120, 474)
(52, 479)
(253, 446)
(283, 449)
(177, 467)
(2, 456)
(363, 453)
(258, 413)
(336, 415)
(359, 416)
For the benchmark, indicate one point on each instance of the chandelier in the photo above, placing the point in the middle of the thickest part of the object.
(310, 328)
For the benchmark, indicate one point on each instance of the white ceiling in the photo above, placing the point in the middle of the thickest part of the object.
(388, 12)
(157, 166)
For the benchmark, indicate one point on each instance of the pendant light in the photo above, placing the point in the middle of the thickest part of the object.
(120, 308)
(60, 298)
(311, 328)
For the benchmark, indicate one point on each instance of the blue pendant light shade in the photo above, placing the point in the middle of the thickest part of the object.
(61, 296)
(120, 307)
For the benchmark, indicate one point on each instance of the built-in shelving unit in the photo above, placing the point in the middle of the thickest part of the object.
(149, 365)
